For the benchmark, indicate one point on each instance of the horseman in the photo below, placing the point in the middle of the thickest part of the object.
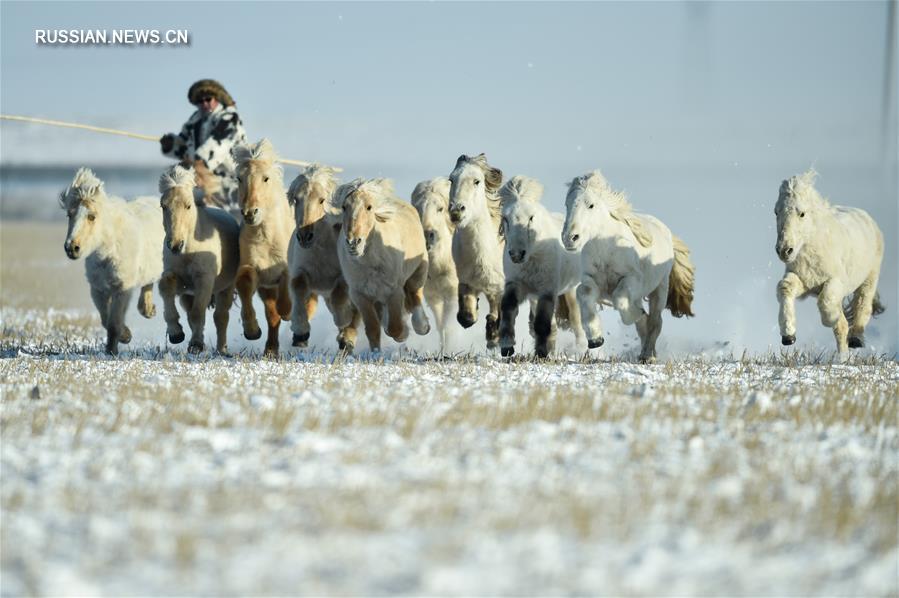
(206, 139)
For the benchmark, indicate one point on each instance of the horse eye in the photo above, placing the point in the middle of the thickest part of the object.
(91, 217)
(477, 182)
(802, 214)
(239, 180)
(591, 206)
(439, 210)
(188, 206)
(368, 208)
(264, 179)
(322, 200)
(531, 219)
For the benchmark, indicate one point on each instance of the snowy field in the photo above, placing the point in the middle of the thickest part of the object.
(160, 473)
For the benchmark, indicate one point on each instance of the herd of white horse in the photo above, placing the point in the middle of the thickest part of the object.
(376, 259)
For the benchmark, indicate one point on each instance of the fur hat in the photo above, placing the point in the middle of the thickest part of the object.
(209, 87)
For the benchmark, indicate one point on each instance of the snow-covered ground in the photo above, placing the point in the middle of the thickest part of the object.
(161, 473)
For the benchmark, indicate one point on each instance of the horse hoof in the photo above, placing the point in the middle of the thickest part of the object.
(595, 343)
(467, 320)
(195, 348)
(223, 351)
(542, 352)
(788, 339)
(176, 338)
(301, 340)
(492, 344)
(270, 353)
(252, 335)
(855, 342)
(507, 351)
(149, 311)
(125, 336)
(346, 348)
(647, 360)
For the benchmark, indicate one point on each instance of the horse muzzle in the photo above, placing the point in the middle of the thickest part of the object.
(305, 236)
(516, 256)
(176, 248)
(72, 250)
(356, 247)
(786, 254)
(456, 214)
(252, 216)
(572, 243)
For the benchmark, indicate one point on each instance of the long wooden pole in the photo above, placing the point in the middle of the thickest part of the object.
(108, 131)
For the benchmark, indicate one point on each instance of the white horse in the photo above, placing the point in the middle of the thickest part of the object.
(201, 257)
(477, 243)
(537, 267)
(625, 257)
(312, 258)
(383, 258)
(122, 244)
(431, 199)
(831, 252)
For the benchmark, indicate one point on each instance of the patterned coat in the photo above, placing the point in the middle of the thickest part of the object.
(210, 137)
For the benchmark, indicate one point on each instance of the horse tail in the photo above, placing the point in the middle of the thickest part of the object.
(850, 306)
(680, 281)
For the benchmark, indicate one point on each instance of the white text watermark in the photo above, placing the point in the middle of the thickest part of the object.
(112, 37)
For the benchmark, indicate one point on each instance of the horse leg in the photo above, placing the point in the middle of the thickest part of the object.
(299, 317)
(246, 282)
(788, 289)
(220, 316)
(145, 305)
(168, 287)
(543, 324)
(492, 328)
(468, 306)
(283, 298)
(830, 306)
(115, 332)
(346, 316)
(396, 322)
(449, 306)
(512, 298)
(862, 306)
(101, 302)
(196, 315)
(414, 299)
(370, 317)
(438, 308)
(574, 317)
(269, 298)
(587, 298)
(657, 300)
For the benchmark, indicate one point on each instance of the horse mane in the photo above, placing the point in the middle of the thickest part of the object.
(493, 178)
(85, 185)
(616, 202)
(320, 174)
(176, 176)
(380, 190)
(521, 188)
(263, 153)
(436, 187)
(804, 184)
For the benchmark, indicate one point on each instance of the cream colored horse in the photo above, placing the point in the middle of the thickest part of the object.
(264, 239)
(383, 257)
(312, 258)
(625, 257)
(201, 257)
(831, 252)
(122, 246)
(477, 244)
(431, 199)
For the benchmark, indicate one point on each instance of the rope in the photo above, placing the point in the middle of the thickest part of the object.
(59, 123)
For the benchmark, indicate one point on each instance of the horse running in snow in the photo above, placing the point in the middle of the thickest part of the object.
(625, 257)
(312, 258)
(122, 246)
(537, 267)
(831, 252)
(477, 243)
(200, 257)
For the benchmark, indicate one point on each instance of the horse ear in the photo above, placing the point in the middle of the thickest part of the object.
(295, 188)
(460, 160)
